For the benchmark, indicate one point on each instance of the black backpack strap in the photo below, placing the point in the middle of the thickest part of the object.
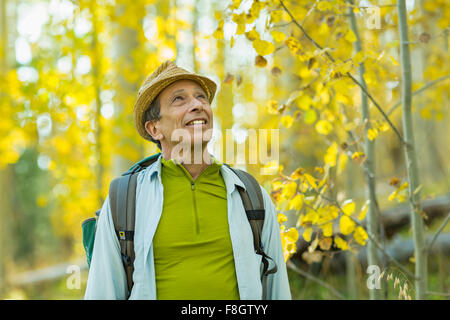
(253, 202)
(122, 195)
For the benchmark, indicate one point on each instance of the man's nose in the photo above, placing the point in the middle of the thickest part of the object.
(196, 105)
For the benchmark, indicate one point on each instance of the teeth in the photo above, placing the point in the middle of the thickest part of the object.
(194, 122)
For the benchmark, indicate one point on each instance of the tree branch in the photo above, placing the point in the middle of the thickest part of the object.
(426, 86)
(430, 293)
(438, 232)
(294, 268)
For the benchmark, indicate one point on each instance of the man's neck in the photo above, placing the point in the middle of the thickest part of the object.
(194, 165)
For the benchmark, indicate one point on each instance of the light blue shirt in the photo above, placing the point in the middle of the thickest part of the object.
(107, 279)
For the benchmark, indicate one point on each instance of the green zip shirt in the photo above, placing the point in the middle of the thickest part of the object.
(192, 246)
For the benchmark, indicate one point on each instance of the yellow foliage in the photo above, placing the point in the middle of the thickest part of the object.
(360, 235)
(278, 36)
(307, 234)
(263, 47)
(323, 127)
(346, 225)
(348, 207)
(331, 155)
(341, 243)
(287, 121)
(296, 203)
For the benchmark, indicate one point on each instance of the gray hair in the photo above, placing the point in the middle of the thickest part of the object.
(153, 114)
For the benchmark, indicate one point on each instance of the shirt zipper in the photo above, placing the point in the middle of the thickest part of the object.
(197, 231)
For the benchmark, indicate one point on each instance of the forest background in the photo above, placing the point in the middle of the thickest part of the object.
(356, 91)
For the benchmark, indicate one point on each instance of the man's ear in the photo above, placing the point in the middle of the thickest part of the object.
(152, 128)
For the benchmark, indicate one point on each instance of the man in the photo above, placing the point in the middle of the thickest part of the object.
(192, 238)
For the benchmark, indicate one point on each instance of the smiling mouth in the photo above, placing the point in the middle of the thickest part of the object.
(198, 122)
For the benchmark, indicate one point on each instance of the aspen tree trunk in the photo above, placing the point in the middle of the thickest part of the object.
(97, 58)
(195, 30)
(224, 98)
(372, 216)
(125, 42)
(6, 173)
(411, 156)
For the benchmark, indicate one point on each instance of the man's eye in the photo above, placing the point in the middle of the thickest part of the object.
(176, 98)
(202, 96)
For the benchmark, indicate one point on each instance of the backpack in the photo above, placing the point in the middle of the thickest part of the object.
(122, 196)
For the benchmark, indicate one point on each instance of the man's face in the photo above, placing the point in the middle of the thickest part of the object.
(184, 109)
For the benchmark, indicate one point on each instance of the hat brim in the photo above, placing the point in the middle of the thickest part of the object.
(149, 93)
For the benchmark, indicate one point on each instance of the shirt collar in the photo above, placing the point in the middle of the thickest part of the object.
(230, 178)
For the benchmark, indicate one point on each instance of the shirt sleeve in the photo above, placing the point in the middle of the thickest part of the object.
(107, 278)
(277, 283)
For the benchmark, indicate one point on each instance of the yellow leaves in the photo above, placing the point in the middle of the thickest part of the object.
(218, 33)
(394, 62)
(276, 16)
(281, 218)
(346, 225)
(327, 229)
(311, 180)
(304, 102)
(270, 168)
(363, 211)
(400, 193)
(8, 157)
(287, 121)
(360, 235)
(307, 234)
(292, 235)
(240, 20)
(342, 163)
(324, 5)
(62, 145)
(252, 34)
(350, 36)
(341, 243)
(294, 45)
(331, 155)
(359, 57)
(323, 127)
(288, 190)
(308, 219)
(272, 107)
(288, 241)
(263, 47)
(310, 116)
(348, 207)
(297, 174)
(358, 157)
(235, 4)
(255, 10)
(296, 203)
(372, 133)
(278, 36)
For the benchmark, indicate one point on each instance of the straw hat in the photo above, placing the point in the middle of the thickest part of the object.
(166, 74)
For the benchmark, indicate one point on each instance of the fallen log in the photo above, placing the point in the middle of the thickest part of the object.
(396, 218)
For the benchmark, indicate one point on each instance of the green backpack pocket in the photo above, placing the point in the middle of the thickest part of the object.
(88, 228)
